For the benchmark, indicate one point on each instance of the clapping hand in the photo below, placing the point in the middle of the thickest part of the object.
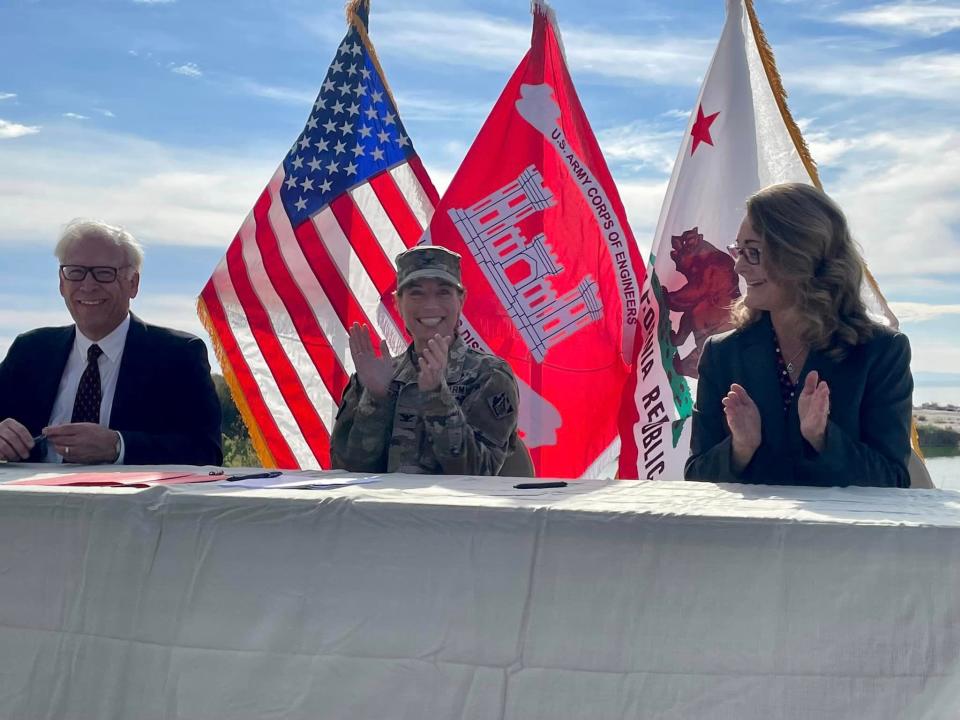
(433, 363)
(375, 371)
(813, 406)
(743, 419)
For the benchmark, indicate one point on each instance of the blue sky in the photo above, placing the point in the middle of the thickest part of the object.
(169, 117)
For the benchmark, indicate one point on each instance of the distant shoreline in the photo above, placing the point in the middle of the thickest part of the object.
(946, 412)
(938, 426)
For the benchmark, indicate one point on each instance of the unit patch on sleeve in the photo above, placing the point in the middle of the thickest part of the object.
(500, 406)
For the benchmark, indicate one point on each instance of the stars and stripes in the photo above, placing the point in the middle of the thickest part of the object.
(315, 255)
(353, 133)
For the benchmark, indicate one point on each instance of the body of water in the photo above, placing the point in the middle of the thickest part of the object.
(945, 471)
(940, 394)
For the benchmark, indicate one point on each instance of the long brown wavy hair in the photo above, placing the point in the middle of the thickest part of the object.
(810, 251)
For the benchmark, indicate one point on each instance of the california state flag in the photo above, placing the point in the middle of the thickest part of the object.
(551, 268)
(740, 138)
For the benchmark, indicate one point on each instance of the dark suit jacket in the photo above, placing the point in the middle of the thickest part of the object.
(868, 433)
(165, 404)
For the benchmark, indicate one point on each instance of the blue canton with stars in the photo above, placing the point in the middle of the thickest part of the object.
(352, 134)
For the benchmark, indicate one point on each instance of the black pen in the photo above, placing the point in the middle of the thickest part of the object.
(536, 486)
(253, 476)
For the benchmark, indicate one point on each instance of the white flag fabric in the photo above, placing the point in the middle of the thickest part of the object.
(740, 138)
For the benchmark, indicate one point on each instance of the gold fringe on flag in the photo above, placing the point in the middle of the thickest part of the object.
(353, 18)
(780, 95)
(352, 9)
(256, 437)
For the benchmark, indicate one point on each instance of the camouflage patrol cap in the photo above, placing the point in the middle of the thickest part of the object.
(428, 261)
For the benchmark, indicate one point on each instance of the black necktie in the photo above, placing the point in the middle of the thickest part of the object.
(86, 408)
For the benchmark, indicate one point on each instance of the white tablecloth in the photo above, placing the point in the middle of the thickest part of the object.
(428, 598)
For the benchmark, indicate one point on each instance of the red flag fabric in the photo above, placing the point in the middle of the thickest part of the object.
(316, 254)
(550, 264)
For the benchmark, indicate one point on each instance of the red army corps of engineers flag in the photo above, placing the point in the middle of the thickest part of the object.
(551, 267)
(315, 255)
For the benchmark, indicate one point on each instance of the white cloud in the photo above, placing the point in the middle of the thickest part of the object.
(9, 130)
(7, 96)
(414, 106)
(176, 311)
(641, 145)
(20, 320)
(105, 112)
(675, 61)
(439, 36)
(911, 312)
(497, 44)
(912, 18)
(441, 177)
(940, 356)
(642, 200)
(944, 286)
(75, 116)
(901, 192)
(292, 96)
(825, 148)
(165, 195)
(930, 76)
(188, 69)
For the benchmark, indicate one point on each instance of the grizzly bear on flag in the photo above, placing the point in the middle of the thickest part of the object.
(705, 299)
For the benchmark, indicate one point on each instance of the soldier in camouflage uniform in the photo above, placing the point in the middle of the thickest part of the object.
(440, 407)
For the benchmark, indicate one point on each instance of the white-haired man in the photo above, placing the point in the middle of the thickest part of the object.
(109, 388)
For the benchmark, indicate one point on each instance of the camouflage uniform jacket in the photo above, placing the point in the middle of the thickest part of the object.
(465, 427)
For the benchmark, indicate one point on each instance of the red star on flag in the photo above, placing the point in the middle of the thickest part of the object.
(701, 129)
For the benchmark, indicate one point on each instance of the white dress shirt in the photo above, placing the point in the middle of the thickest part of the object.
(109, 366)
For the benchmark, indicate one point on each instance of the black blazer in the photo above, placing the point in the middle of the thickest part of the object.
(868, 433)
(165, 404)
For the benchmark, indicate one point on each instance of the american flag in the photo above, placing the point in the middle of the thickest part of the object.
(315, 255)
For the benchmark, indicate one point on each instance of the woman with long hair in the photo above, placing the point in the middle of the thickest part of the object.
(806, 389)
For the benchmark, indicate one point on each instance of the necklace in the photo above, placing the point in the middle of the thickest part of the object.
(790, 361)
(788, 387)
(788, 364)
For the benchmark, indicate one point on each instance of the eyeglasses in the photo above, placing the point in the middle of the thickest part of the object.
(752, 254)
(101, 273)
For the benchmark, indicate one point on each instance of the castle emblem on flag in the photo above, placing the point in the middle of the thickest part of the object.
(519, 270)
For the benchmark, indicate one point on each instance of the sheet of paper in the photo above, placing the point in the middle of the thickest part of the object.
(115, 479)
(303, 480)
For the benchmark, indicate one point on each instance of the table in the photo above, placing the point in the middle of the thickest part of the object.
(453, 597)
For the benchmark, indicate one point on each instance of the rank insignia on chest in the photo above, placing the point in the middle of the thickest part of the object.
(500, 406)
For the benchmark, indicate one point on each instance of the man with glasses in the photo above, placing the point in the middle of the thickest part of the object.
(110, 388)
